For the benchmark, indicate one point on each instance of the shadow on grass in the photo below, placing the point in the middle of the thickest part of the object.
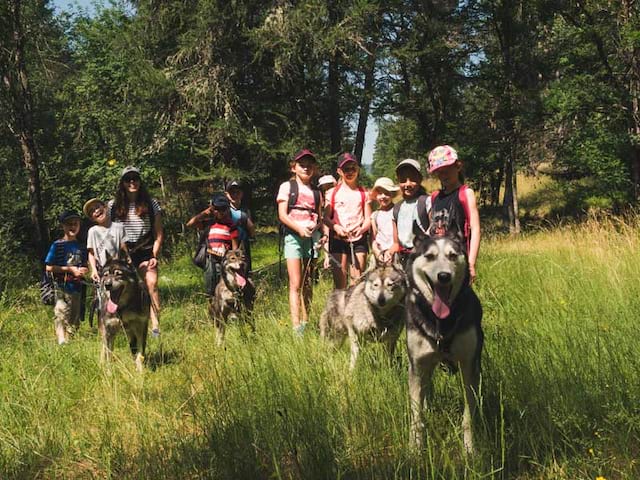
(162, 357)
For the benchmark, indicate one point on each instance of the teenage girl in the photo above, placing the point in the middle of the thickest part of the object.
(347, 213)
(448, 212)
(301, 221)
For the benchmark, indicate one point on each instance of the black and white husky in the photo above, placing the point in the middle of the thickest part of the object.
(443, 325)
(373, 308)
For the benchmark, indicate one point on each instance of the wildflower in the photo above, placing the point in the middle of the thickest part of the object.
(600, 477)
(111, 162)
(592, 453)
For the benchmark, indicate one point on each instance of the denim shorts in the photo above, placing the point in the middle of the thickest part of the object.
(297, 247)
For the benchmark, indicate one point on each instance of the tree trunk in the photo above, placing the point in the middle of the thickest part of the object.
(333, 90)
(510, 195)
(363, 117)
(16, 81)
(634, 93)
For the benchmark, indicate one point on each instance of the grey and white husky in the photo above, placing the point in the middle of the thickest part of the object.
(373, 308)
(443, 325)
(124, 306)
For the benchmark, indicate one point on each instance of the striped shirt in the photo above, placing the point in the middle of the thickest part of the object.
(63, 253)
(137, 227)
(220, 236)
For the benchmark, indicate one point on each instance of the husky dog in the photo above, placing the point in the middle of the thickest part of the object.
(233, 293)
(373, 307)
(443, 324)
(124, 306)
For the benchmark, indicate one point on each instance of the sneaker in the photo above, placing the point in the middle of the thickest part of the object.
(299, 330)
(155, 333)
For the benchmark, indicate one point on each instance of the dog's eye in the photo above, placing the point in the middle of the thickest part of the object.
(453, 256)
(430, 256)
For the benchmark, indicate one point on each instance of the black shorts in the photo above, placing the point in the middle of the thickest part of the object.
(140, 256)
(337, 245)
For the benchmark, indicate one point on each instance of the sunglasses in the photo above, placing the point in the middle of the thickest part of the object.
(131, 178)
(350, 169)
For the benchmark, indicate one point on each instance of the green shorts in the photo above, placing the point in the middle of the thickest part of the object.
(297, 247)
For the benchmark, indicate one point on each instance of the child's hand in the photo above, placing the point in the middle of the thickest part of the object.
(79, 271)
(95, 277)
(340, 231)
(305, 232)
(327, 262)
(472, 274)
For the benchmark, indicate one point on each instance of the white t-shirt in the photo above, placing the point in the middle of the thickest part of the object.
(384, 228)
(102, 240)
(348, 209)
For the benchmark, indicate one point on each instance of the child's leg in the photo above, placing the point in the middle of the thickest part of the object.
(62, 312)
(294, 269)
(151, 279)
(339, 270)
(356, 270)
(75, 312)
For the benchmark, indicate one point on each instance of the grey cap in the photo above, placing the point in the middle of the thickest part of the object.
(68, 215)
(129, 169)
(409, 162)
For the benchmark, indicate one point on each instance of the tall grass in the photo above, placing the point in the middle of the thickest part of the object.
(559, 388)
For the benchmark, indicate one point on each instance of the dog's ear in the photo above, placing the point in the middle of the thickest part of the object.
(420, 240)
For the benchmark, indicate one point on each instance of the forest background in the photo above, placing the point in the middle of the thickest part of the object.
(199, 91)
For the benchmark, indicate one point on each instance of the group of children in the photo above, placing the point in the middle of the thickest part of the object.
(338, 219)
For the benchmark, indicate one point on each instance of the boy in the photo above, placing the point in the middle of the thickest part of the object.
(241, 218)
(104, 237)
(409, 211)
(222, 235)
(66, 260)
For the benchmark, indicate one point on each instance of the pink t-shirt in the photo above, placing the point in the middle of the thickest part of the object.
(348, 210)
(305, 210)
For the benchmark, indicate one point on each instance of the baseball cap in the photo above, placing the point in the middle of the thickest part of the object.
(442, 156)
(345, 158)
(232, 184)
(409, 162)
(304, 153)
(326, 180)
(89, 204)
(386, 184)
(220, 200)
(129, 169)
(68, 215)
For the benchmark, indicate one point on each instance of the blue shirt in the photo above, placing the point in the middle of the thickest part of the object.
(64, 253)
(239, 218)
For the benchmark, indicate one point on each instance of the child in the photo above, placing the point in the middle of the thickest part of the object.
(66, 260)
(105, 237)
(299, 212)
(241, 218)
(409, 211)
(222, 235)
(454, 206)
(325, 183)
(348, 216)
(383, 193)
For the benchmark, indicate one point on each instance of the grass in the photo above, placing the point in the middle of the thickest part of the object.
(559, 388)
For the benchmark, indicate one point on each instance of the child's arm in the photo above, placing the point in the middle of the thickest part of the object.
(94, 268)
(396, 243)
(157, 244)
(72, 269)
(474, 224)
(199, 219)
(328, 220)
(283, 216)
(374, 232)
(366, 224)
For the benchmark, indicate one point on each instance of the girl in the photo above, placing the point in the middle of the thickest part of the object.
(454, 206)
(383, 193)
(142, 219)
(348, 216)
(299, 211)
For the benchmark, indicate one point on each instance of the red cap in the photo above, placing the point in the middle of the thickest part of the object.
(345, 158)
(304, 153)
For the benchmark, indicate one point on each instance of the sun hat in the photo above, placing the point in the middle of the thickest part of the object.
(442, 156)
(304, 153)
(345, 158)
(88, 206)
(232, 184)
(326, 180)
(409, 162)
(386, 184)
(220, 200)
(129, 169)
(68, 215)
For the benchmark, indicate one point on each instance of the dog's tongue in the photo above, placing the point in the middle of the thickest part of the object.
(112, 307)
(240, 280)
(439, 307)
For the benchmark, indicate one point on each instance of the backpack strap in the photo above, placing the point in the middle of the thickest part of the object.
(396, 210)
(293, 195)
(333, 198)
(422, 217)
(462, 198)
(317, 201)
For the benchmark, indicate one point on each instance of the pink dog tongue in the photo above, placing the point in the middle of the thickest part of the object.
(439, 307)
(112, 307)
(240, 280)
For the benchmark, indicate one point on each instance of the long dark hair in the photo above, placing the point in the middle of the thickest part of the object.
(121, 203)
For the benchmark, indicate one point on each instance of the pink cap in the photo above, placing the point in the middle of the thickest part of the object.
(345, 158)
(442, 156)
(304, 153)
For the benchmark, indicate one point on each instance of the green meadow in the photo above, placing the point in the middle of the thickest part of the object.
(559, 396)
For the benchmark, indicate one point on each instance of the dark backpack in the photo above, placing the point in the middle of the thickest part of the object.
(293, 198)
(47, 288)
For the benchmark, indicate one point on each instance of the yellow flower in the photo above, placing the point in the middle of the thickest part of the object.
(600, 478)
(591, 452)
(111, 162)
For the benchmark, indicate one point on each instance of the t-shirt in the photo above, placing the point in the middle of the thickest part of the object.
(406, 215)
(305, 211)
(64, 253)
(384, 227)
(138, 228)
(348, 210)
(106, 239)
(220, 236)
(448, 214)
(239, 218)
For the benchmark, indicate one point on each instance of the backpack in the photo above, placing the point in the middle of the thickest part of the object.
(422, 213)
(462, 198)
(47, 288)
(293, 198)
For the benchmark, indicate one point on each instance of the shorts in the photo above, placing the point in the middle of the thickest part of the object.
(341, 246)
(297, 247)
(140, 256)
